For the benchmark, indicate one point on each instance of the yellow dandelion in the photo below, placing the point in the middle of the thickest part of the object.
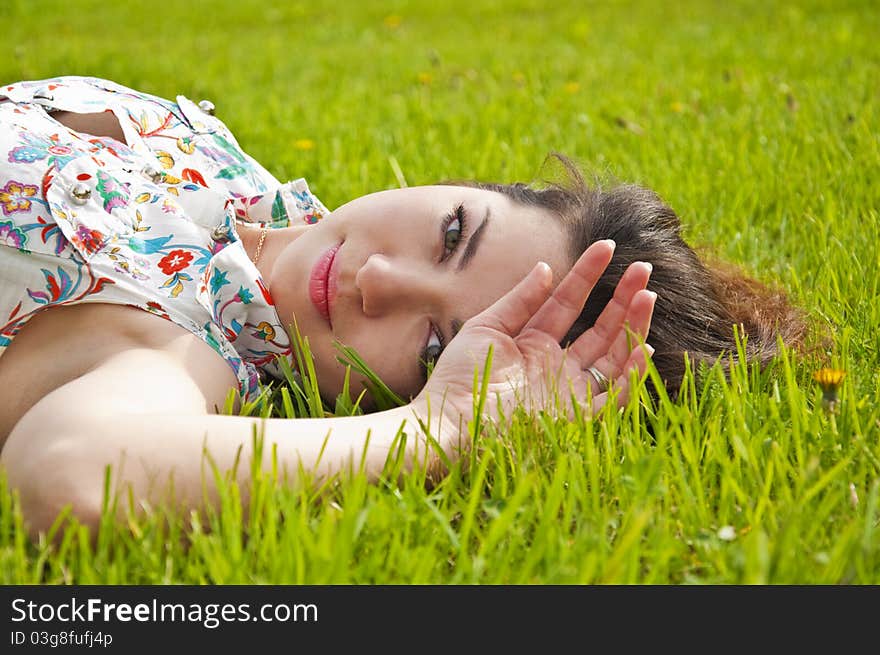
(392, 22)
(677, 107)
(303, 144)
(425, 78)
(829, 379)
(572, 87)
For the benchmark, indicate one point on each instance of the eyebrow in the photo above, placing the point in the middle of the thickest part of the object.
(469, 251)
(473, 243)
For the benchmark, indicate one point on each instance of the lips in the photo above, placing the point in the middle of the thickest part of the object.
(322, 283)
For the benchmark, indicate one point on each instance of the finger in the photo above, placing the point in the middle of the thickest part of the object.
(596, 341)
(562, 308)
(636, 327)
(633, 330)
(511, 312)
(638, 363)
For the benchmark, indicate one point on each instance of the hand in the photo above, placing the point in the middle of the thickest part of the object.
(525, 327)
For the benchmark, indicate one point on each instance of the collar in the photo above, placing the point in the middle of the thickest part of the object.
(233, 292)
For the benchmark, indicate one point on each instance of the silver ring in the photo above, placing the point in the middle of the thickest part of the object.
(599, 377)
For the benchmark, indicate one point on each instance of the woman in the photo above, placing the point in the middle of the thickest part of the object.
(151, 266)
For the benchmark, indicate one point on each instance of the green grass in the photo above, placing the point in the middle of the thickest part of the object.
(758, 123)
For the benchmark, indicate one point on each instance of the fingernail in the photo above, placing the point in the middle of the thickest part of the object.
(544, 273)
(653, 295)
(649, 265)
(611, 242)
(649, 348)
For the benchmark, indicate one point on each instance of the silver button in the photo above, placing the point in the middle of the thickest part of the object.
(207, 106)
(152, 173)
(80, 193)
(221, 233)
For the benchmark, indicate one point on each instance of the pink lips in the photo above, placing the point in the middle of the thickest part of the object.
(322, 283)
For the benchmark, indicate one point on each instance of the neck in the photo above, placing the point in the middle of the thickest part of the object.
(276, 240)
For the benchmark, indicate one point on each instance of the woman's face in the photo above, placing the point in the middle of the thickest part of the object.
(394, 274)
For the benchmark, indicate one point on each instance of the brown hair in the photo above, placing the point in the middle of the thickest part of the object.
(698, 303)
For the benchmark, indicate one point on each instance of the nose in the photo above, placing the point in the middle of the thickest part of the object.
(387, 285)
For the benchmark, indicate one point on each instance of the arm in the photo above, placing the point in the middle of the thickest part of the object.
(151, 425)
(58, 451)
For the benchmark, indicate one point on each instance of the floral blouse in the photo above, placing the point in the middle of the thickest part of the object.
(150, 224)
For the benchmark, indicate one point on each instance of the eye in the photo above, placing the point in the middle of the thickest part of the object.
(453, 229)
(432, 351)
(451, 234)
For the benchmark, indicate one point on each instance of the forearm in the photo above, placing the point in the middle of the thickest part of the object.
(165, 459)
(317, 447)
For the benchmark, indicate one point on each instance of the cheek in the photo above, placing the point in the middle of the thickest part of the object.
(392, 366)
(387, 231)
(387, 364)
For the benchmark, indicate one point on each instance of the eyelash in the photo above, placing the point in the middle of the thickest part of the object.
(457, 214)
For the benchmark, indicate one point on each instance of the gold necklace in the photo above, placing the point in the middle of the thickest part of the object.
(263, 232)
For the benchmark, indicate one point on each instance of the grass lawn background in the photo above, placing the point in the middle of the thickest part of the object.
(757, 122)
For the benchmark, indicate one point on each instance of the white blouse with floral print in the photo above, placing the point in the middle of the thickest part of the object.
(149, 223)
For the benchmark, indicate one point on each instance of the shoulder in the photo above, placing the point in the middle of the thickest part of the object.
(98, 358)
